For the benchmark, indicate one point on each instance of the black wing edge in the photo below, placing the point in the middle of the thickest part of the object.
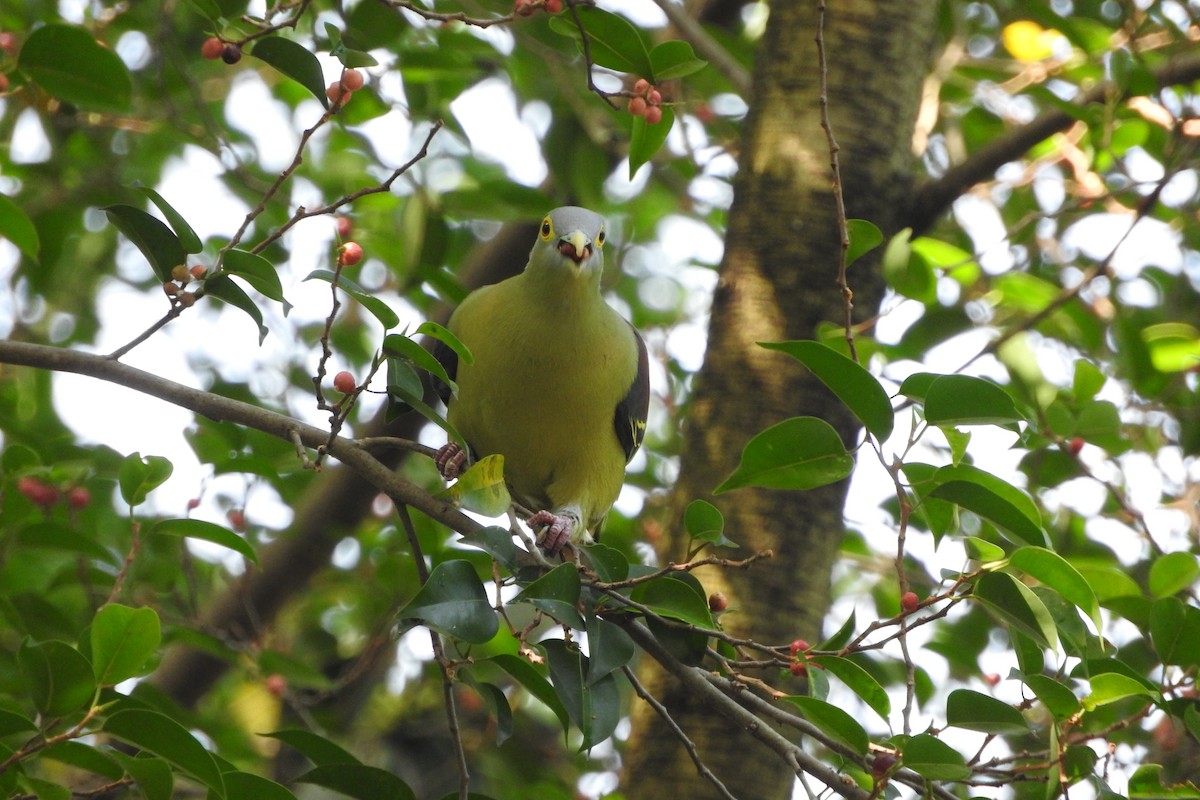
(449, 360)
(629, 419)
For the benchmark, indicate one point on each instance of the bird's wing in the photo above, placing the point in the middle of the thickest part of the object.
(629, 419)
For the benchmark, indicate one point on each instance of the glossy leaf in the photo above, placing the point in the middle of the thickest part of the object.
(979, 712)
(798, 453)
(933, 759)
(398, 346)
(443, 335)
(1053, 570)
(1017, 605)
(833, 722)
(596, 708)
(534, 683)
(674, 598)
(672, 60)
(864, 237)
(557, 594)
(166, 738)
(12, 722)
(259, 273)
(966, 400)
(246, 784)
(1172, 573)
(645, 139)
(861, 682)
(124, 642)
(705, 523)
(152, 775)
(83, 756)
(854, 386)
(295, 61)
(1058, 699)
(208, 532)
(995, 500)
(68, 62)
(498, 543)
(359, 781)
(187, 237)
(379, 309)
(1109, 687)
(59, 679)
(139, 476)
(1175, 631)
(156, 241)
(18, 228)
(613, 41)
(907, 271)
(223, 288)
(481, 488)
(454, 602)
(610, 648)
(1147, 783)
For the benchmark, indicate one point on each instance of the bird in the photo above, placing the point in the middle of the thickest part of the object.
(559, 383)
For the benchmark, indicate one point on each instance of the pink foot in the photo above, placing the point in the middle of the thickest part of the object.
(556, 533)
(450, 460)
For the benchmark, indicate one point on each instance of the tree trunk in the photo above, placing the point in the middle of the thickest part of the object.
(777, 283)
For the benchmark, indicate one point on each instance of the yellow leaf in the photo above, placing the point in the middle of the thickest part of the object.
(1028, 41)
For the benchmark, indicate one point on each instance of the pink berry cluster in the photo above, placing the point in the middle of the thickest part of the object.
(8, 50)
(181, 275)
(646, 102)
(340, 91)
(46, 495)
(525, 8)
(213, 48)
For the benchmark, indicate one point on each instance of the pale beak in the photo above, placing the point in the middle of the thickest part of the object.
(575, 246)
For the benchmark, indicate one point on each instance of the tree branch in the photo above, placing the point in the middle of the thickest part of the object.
(932, 199)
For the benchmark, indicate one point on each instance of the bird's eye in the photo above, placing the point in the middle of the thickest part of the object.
(547, 228)
(600, 239)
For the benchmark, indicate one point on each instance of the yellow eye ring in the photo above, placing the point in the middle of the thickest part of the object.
(547, 229)
(600, 238)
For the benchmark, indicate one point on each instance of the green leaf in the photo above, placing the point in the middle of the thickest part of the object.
(1017, 605)
(1053, 570)
(1058, 699)
(223, 288)
(481, 488)
(377, 307)
(57, 535)
(12, 722)
(139, 476)
(208, 532)
(833, 722)
(916, 386)
(152, 775)
(983, 550)
(156, 241)
(124, 642)
(18, 228)
(673, 59)
(842, 636)
(443, 335)
(245, 784)
(907, 271)
(71, 65)
(398, 346)
(259, 273)
(166, 738)
(187, 237)
(533, 682)
(704, 523)
(295, 61)
(864, 237)
(82, 756)
(1109, 687)
(359, 781)
(596, 708)
(454, 602)
(1146, 783)
(933, 759)
(557, 594)
(610, 646)
(1175, 631)
(991, 498)
(411, 397)
(645, 139)
(1087, 380)
(673, 597)
(496, 542)
(1172, 573)
(979, 712)
(613, 41)
(798, 453)
(861, 682)
(853, 385)
(966, 400)
(58, 677)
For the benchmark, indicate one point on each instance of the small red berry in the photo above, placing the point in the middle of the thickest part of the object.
(909, 602)
(193, 504)
(717, 602)
(637, 106)
(237, 519)
(344, 382)
(653, 115)
(704, 113)
(276, 684)
(338, 94)
(350, 254)
(345, 226)
(882, 763)
(3, 83)
(642, 86)
(171, 288)
(1075, 445)
(554, 6)
(79, 497)
(38, 491)
(654, 97)
(352, 80)
(798, 645)
(232, 54)
(991, 679)
(180, 273)
(798, 668)
(212, 49)
(523, 8)
(186, 299)
(197, 271)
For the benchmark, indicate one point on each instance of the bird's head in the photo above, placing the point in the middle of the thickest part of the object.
(570, 237)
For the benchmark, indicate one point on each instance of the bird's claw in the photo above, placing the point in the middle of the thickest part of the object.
(555, 531)
(450, 460)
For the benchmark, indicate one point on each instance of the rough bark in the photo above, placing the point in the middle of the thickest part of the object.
(777, 283)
